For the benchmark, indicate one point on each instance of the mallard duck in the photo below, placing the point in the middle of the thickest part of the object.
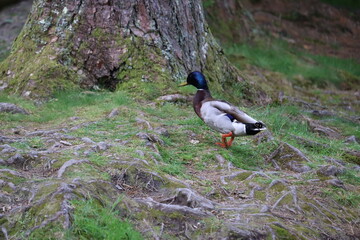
(221, 115)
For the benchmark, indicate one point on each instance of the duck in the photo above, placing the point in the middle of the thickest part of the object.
(221, 115)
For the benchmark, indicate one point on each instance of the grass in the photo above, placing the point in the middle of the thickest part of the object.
(64, 105)
(344, 197)
(178, 155)
(93, 221)
(279, 56)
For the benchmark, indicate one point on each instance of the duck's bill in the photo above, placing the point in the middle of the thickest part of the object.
(260, 129)
(183, 84)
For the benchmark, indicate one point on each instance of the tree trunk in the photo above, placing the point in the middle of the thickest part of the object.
(114, 44)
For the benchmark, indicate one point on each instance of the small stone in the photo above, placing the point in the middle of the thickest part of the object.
(322, 130)
(4, 86)
(87, 152)
(5, 199)
(351, 139)
(334, 161)
(336, 183)
(330, 170)
(101, 146)
(262, 137)
(115, 112)
(17, 159)
(7, 149)
(174, 98)
(322, 113)
(162, 131)
(298, 167)
(65, 143)
(356, 168)
(192, 141)
(87, 140)
(12, 108)
(144, 123)
(74, 118)
(150, 137)
(289, 157)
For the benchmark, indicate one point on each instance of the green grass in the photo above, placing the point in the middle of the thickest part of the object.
(64, 105)
(279, 56)
(344, 197)
(93, 221)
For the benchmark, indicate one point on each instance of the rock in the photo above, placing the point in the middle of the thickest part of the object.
(4, 139)
(17, 160)
(308, 143)
(162, 131)
(115, 112)
(356, 168)
(330, 170)
(322, 113)
(298, 167)
(5, 199)
(322, 130)
(87, 140)
(12, 108)
(289, 157)
(143, 123)
(174, 98)
(351, 139)
(265, 136)
(2, 162)
(189, 198)
(335, 161)
(74, 118)
(336, 183)
(101, 146)
(3, 86)
(236, 232)
(150, 137)
(7, 149)
(65, 143)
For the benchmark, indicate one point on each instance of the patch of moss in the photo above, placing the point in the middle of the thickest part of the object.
(39, 76)
(52, 231)
(282, 233)
(243, 176)
(12, 178)
(260, 195)
(352, 157)
(278, 187)
(143, 70)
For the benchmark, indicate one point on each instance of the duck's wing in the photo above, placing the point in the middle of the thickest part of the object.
(228, 108)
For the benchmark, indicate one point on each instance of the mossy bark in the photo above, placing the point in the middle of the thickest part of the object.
(114, 44)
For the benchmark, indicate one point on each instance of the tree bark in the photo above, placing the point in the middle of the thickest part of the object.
(114, 44)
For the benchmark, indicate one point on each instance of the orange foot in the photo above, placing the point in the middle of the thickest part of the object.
(224, 143)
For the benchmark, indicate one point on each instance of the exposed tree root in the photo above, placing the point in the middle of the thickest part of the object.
(168, 208)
